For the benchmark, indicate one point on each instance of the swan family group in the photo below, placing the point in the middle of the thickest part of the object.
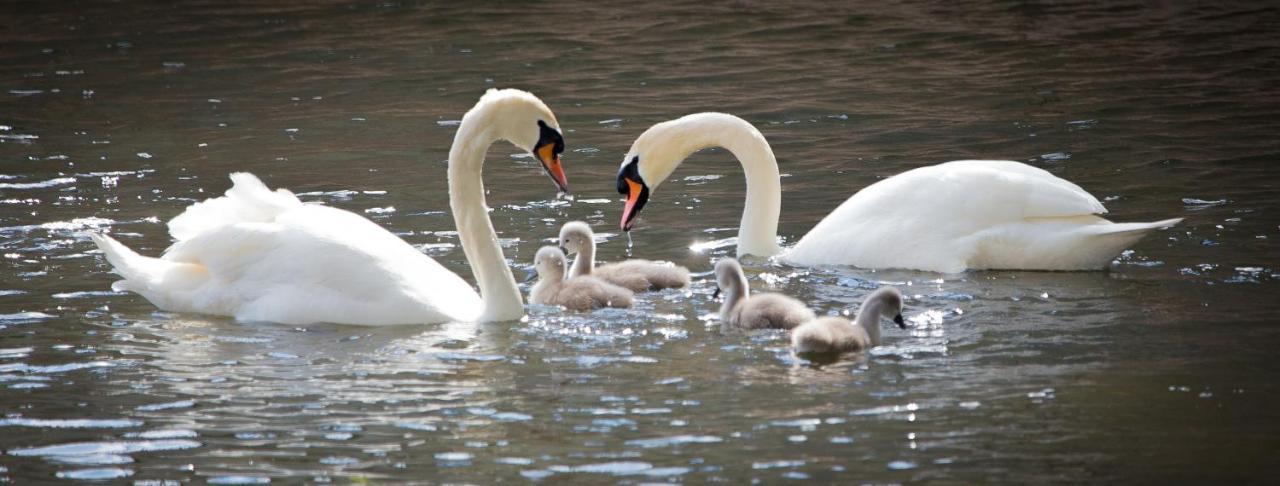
(261, 255)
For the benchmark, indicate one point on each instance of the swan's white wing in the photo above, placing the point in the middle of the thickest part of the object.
(321, 264)
(248, 200)
(980, 191)
(936, 217)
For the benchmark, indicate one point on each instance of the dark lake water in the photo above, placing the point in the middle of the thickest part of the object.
(117, 115)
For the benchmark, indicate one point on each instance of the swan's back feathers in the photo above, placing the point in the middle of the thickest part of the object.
(967, 214)
(248, 200)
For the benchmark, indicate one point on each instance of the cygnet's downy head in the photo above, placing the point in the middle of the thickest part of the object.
(574, 236)
(729, 277)
(889, 300)
(524, 120)
(549, 262)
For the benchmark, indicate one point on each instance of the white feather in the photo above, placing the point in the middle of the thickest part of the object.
(262, 255)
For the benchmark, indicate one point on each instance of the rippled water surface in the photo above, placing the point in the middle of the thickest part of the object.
(115, 116)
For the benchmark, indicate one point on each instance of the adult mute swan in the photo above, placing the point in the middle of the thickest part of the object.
(258, 255)
(968, 214)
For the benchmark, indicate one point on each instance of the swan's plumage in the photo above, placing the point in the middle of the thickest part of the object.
(636, 275)
(261, 255)
(970, 214)
(296, 264)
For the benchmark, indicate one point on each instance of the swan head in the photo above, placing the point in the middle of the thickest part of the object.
(659, 150)
(729, 277)
(524, 120)
(549, 262)
(574, 236)
(889, 300)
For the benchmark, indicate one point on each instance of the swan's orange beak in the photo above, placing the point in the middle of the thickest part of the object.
(546, 154)
(637, 195)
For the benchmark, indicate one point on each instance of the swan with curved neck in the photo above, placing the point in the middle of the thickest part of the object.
(970, 214)
(262, 255)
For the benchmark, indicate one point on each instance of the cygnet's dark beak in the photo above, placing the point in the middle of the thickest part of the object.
(564, 250)
(531, 277)
(899, 321)
(716, 294)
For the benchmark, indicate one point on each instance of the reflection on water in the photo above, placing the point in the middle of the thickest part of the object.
(115, 117)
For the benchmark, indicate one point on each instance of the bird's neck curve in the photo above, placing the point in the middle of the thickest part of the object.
(735, 292)
(585, 263)
(869, 318)
(498, 290)
(758, 230)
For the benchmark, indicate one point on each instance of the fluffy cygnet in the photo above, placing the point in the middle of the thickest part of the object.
(573, 293)
(636, 275)
(741, 310)
(838, 335)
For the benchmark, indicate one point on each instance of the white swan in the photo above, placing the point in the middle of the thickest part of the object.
(258, 255)
(636, 275)
(576, 293)
(969, 214)
(831, 334)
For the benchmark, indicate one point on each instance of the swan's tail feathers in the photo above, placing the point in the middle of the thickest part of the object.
(248, 200)
(1133, 230)
(1110, 240)
(145, 275)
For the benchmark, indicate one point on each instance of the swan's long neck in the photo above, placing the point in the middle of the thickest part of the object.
(501, 297)
(869, 318)
(585, 263)
(758, 231)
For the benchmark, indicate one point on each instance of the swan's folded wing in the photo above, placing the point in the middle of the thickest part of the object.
(927, 218)
(999, 189)
(248, 200)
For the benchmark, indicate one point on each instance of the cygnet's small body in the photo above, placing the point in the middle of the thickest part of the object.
(635, 275)
(838, 335)
(573, 293)
(741, 310)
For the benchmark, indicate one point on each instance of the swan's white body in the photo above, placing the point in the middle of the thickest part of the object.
(258, 255)
(969, 214)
